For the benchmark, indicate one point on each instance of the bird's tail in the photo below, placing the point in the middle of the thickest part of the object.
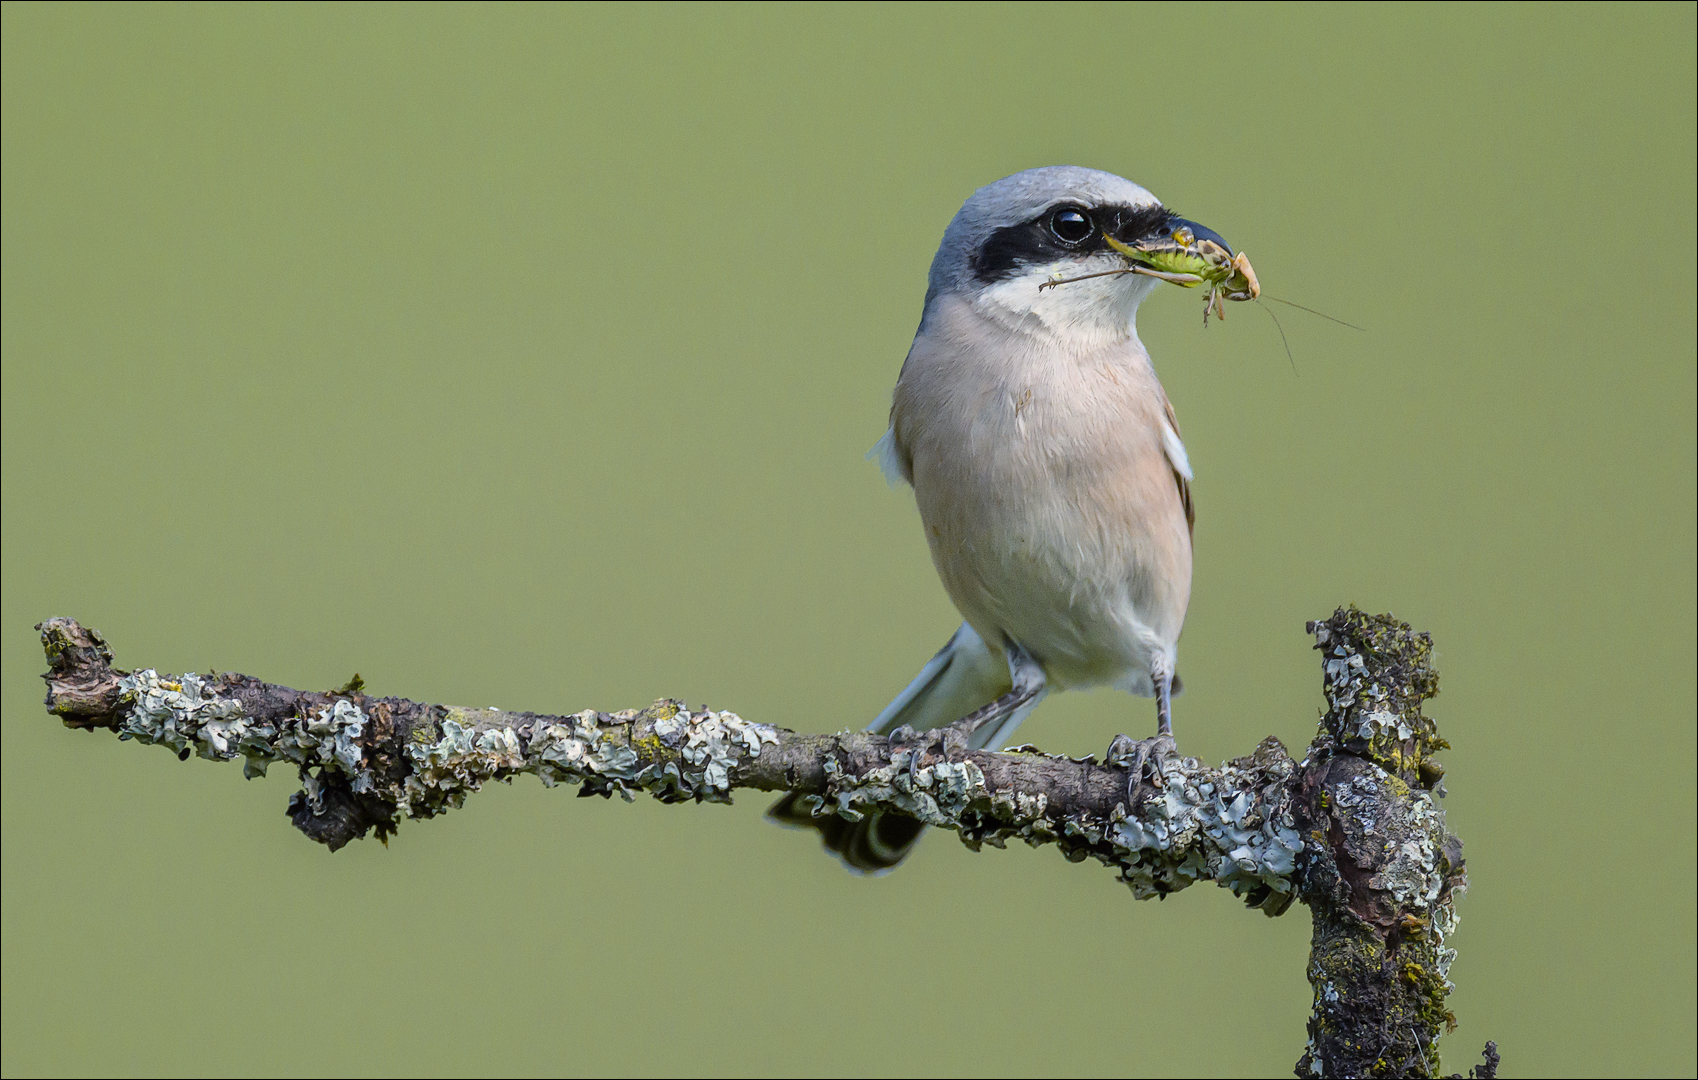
(965, 674)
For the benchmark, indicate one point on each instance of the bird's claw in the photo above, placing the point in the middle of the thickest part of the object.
(1139, 755)
(926, 748)
(906, 740)
(952, 741)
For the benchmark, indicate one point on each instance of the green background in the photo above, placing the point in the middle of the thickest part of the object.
(527, 356)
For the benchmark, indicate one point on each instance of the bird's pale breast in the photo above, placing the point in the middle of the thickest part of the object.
(1050, 507)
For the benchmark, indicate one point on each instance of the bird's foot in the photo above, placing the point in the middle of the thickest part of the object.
(1141, 756)
(923, 749)
(952, 741)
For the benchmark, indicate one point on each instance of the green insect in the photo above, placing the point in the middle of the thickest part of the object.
(1184, 260)
(1187, 261)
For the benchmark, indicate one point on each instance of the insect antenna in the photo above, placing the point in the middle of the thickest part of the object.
(1312, 311)
(1282, 340)
(1083, 277)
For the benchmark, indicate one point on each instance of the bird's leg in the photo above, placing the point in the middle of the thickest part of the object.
(1139, 754)
(951, 741)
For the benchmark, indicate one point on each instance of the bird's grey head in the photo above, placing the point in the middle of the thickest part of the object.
(1041, 225)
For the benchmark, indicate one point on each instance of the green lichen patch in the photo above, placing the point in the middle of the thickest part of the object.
(1378, 671)
(1381, 875)
(1376, 1004)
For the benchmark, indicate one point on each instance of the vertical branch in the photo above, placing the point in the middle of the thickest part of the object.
(1379, 873)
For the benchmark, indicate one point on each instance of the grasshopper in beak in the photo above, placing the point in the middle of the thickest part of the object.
(1191, 255)
(1187, 261)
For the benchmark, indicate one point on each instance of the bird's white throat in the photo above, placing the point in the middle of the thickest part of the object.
(1084, 314)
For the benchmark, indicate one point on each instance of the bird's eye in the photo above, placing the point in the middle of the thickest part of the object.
(1070, 225)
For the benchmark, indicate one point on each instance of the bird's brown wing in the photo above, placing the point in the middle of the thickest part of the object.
(1178, 477)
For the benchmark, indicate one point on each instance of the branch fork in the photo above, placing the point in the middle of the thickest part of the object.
(1353, 830)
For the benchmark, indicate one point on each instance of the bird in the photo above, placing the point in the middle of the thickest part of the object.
(1052, 484)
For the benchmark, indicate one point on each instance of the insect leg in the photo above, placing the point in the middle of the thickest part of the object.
(1177, 279)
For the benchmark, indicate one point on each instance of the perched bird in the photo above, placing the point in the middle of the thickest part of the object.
(1051, 481)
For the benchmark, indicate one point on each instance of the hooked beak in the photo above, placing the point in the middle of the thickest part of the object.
(1201, 232)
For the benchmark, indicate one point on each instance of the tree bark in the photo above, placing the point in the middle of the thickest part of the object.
(1354, 830)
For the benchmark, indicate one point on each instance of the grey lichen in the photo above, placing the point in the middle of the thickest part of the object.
(1443, 925)
(1236, 825)
(181, 716)
(1408, 859)
(667, 751)
(937, 794)
(1231, 825)
(1376, 674)
(712, 742)
(328, 737)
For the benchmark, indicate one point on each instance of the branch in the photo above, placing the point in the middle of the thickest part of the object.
(366, 762)
(1379, 872)
(1353, 830)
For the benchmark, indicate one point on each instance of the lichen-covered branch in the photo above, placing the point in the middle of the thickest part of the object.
(1353, 830)
(366, 762)
(1379, 872)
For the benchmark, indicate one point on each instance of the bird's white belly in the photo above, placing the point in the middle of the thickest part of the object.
(1082, 558)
